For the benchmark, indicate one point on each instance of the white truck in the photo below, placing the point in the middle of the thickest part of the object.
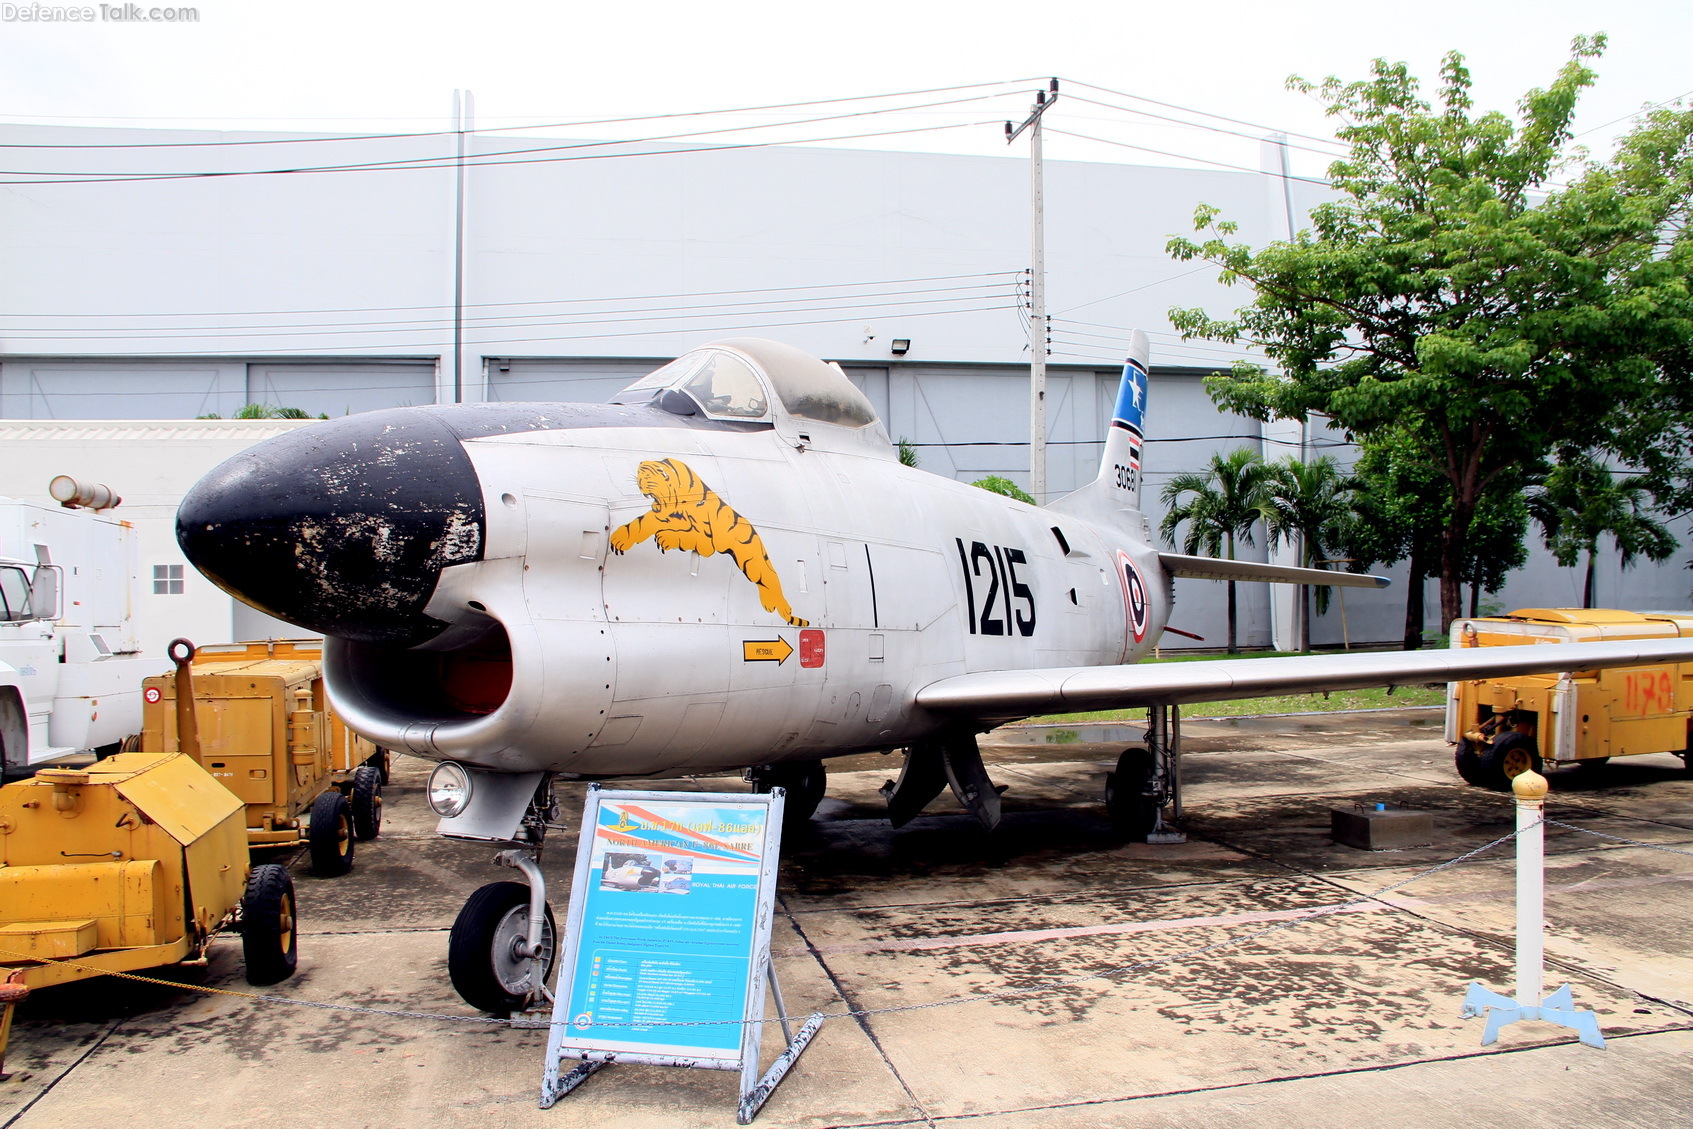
(70, 665)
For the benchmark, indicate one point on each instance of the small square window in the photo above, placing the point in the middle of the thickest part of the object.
(167, 580)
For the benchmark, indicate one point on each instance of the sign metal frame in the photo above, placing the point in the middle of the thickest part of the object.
(596, 904)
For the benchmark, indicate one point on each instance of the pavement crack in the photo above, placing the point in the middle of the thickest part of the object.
(858, 1015)
(111, 1029)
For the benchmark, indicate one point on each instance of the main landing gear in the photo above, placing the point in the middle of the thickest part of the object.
(805, 783)
(1148, 782)
(950, 760)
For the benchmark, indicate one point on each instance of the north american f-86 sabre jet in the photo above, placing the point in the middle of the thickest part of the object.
(725, 567)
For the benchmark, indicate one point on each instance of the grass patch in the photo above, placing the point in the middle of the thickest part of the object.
(1375, 698)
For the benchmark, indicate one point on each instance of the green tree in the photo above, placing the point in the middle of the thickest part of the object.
(1308, 503)
(1582, 501)
(1456, 297)
(998, 484)
(1219, 507)
(1402, 512)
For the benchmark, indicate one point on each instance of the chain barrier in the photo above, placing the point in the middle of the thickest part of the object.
(950, 1001)
(1617, 838)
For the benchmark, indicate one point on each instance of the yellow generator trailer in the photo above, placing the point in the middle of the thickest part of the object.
(1500, 727)
(133, 862)
(267, 732)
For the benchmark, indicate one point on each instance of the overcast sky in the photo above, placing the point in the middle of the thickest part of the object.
(351, 65)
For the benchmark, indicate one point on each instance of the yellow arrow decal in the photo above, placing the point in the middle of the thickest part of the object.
(766, 651)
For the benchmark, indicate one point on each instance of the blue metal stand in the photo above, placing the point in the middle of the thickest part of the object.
(1557, 1008)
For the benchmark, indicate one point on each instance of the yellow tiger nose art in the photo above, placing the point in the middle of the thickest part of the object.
(688, 515)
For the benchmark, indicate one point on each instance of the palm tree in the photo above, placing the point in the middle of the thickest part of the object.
(1310, 503)
(1582, 500)
(1227, 500)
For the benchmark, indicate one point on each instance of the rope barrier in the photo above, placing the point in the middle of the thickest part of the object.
(950, 1001)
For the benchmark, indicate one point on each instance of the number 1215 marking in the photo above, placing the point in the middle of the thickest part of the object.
(998, 566)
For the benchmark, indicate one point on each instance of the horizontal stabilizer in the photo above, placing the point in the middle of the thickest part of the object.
(1211, 568)
(1001, 695)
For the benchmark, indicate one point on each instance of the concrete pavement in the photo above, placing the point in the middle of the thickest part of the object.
(1353, 1015)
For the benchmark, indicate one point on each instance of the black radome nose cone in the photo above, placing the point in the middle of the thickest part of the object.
(341, 527)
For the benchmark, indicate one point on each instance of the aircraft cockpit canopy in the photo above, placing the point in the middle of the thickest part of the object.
(752, 380)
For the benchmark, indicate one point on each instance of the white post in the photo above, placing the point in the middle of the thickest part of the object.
(1531, 886)
(1037, 321)
(1530, 791)
(1037, 290)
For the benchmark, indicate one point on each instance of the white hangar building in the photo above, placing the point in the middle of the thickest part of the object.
(158, 276)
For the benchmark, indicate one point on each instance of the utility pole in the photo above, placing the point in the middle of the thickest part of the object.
(464, 113)
(1038, 329)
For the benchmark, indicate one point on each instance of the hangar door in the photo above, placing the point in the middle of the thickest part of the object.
(341, 389)
(564, 381)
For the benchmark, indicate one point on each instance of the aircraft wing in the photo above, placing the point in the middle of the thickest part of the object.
(1002, 695)
(1216, 568)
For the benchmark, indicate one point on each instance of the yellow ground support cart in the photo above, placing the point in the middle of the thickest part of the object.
(267, 732)
(1500, 727)
(133, 862)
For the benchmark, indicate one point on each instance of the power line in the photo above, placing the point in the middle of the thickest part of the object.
(544, 301)
(1197, 125)
(491, 159)
(976, 292)
(1206, 114)
(1183, 157)
(565, 124)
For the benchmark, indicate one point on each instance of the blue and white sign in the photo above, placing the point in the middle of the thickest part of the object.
(670, 920)
(667, 946)
(1131, 401)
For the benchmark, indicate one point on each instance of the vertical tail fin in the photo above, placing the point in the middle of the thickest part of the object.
(1117, 489)
(1119, 468)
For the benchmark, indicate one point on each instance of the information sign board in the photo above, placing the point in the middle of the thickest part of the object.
(667, 942)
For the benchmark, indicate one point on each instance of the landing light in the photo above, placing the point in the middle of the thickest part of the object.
(449, 789)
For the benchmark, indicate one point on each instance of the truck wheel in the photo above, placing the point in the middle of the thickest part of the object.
(330, 836)
(269, 932)
(367, 802)
(1468, 762)
(379, 761)
(1133, 812)
(1511, 755)
(481, 958)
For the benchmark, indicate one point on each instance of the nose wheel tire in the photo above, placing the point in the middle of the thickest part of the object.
(330, 837)
(269, 930)
(482, 950)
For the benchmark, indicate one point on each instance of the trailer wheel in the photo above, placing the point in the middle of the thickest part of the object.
(482, 961)
(1468, 762)
(1511, 755)
(1133, 812)
(331, 835)
(367, 802)
(269, 932)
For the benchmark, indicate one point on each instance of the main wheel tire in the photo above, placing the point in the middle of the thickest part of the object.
(485, 971)
(330, 836)
(805, 784)
(1510, 755)
(1467, 761)
(1133, 812)
(367, 802)
(269, 931)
